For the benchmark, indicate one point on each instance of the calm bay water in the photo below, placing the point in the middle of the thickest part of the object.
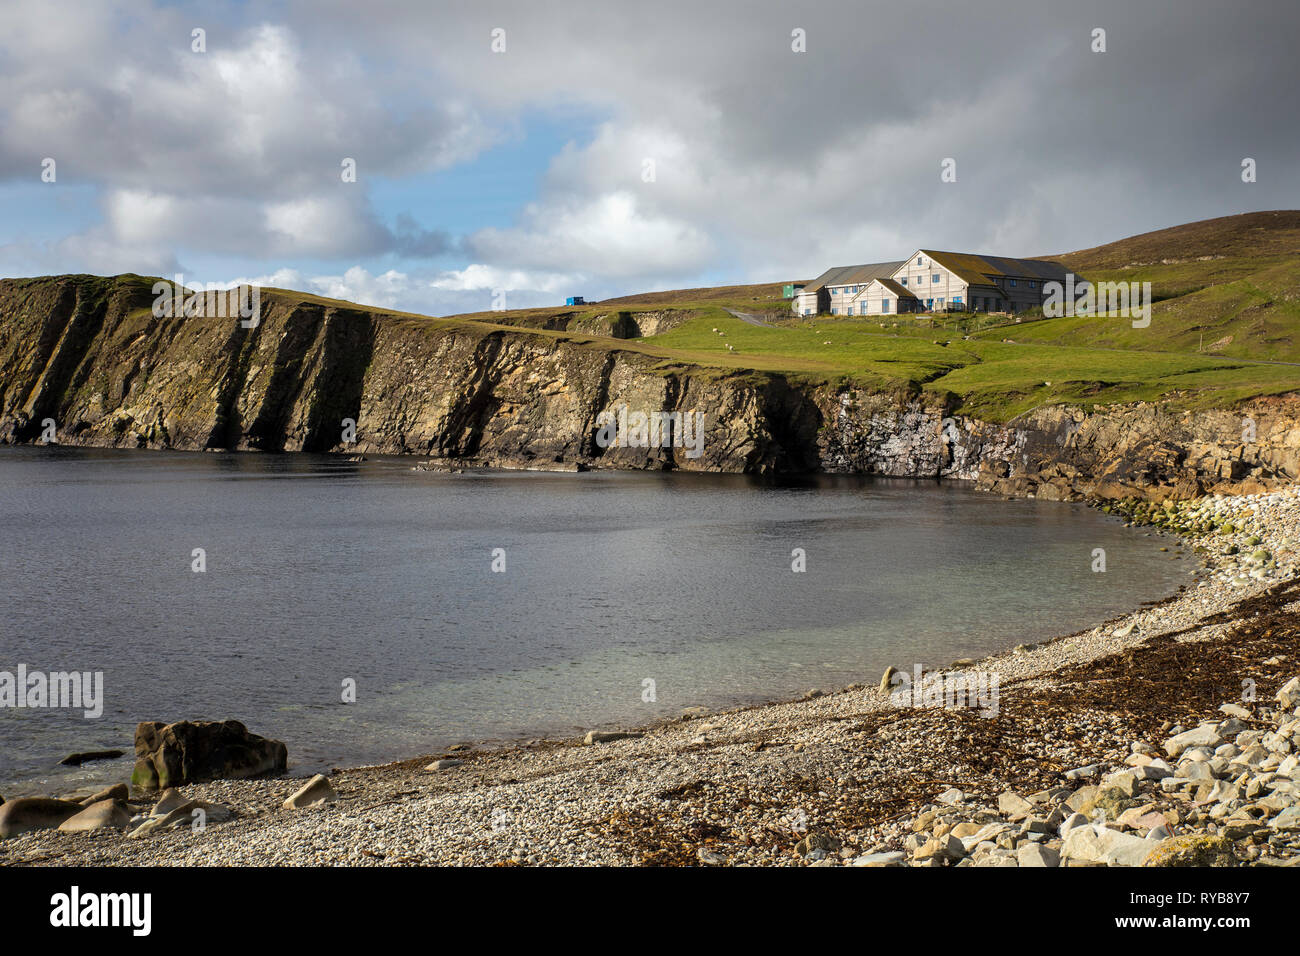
(321, 570)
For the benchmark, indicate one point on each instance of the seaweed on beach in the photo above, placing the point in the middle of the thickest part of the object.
(1164, 678)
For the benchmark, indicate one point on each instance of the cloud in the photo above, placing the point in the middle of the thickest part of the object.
(235, 150)
(476, 288)
(606, 234)
(768, 163)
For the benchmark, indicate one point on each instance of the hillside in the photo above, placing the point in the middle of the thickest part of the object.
(1227, 295)
(1248, 235)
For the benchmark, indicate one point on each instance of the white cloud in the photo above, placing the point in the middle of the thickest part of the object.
(606, 235)
(475, 288)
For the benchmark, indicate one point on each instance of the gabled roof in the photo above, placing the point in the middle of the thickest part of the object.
(853, 275)
(980, 269)
(900, 290)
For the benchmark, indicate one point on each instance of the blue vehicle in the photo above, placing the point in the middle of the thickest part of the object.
(575, 300)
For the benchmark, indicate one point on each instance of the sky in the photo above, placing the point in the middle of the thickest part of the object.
(520, 152)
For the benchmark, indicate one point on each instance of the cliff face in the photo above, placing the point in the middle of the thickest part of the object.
(88, 354)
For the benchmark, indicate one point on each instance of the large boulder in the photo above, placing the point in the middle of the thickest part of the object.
(170, 755)
(1193, 849)
(190, 813)
(317, 790)
(116, 792)
(103, 815)
(34, 813)
(1091, 844)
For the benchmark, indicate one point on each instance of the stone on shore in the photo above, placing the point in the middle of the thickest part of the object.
(446, 763)
(102, 815)
(816, 841)
(1111, 847)
(1192, 849)
(1206, 735)
(1014, 806)
(887, 678)
(1034, 854)
(116, 792)
(77, 759)
(605, 736)
(183, 815)
(940, 849)
(1288, 819)
(317, 790)
(34, 813)
(169, 801)
(169, 755)
(1289, 695)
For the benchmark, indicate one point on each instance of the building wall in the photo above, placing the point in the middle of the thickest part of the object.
(920, 280)
(876, 293)
(804, 303)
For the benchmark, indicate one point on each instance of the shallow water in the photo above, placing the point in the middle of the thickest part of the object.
(321, 571)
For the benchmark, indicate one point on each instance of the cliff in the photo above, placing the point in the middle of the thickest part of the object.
(88, 354)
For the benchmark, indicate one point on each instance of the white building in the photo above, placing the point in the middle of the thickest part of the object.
(930, 281)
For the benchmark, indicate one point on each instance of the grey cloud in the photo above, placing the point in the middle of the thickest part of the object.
(776, 161)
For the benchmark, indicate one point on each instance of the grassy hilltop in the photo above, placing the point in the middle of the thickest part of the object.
(1226, 291)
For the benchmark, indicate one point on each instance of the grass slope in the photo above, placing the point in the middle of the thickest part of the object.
(1227, 297)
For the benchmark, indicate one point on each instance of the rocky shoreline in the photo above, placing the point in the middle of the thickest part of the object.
(1166, 737)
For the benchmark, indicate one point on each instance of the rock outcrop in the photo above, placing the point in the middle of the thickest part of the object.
(34, 813)
(87, 356)
(101, 815)
(171, 755)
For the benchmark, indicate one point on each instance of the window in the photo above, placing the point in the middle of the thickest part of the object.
(1013, 283)
(807, 311)
(903, 280)
(929, 303)
(919, 262)
(941, 303)
(884, 305)
(1033, 285)
(935, 277)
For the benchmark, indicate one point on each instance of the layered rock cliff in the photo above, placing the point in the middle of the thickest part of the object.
(87, 356)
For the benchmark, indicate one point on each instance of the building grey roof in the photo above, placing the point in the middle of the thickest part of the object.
(979, 269)
(854, 275)
(900, 290)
